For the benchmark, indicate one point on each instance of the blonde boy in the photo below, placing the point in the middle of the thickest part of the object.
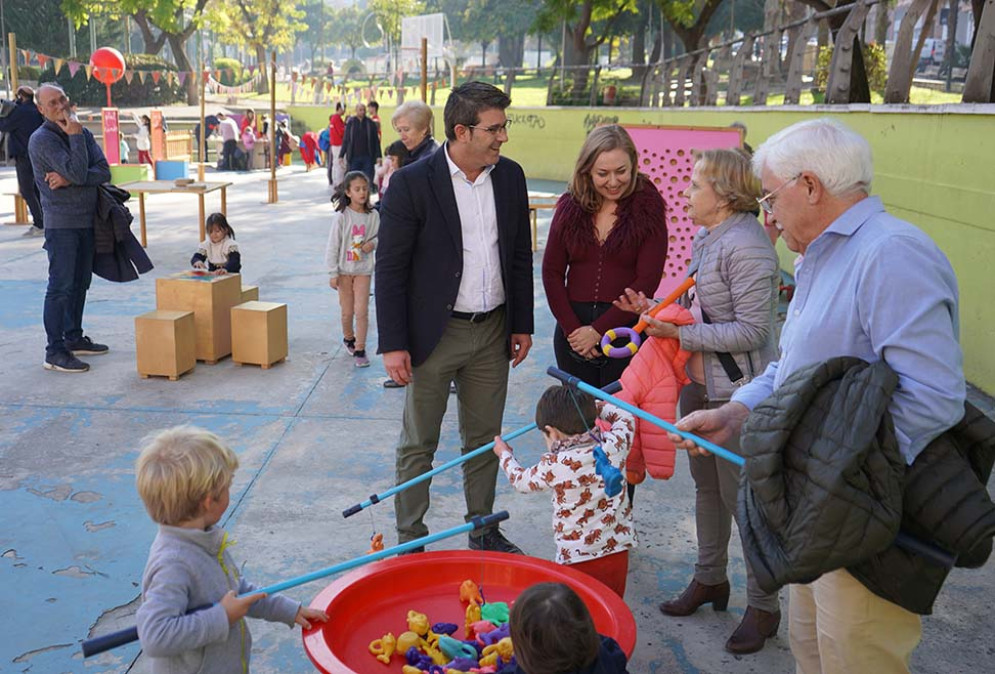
(183, 477)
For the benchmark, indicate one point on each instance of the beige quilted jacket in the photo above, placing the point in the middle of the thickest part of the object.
(737, 278)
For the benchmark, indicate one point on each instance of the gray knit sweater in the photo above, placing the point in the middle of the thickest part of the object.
(79, 160)
(188, 568)
(737, 278)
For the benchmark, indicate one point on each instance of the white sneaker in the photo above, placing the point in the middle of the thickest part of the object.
(34, 231)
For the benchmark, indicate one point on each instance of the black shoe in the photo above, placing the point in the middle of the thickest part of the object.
(390, 383)
(86, 347)
(494, 541)
(65, 362)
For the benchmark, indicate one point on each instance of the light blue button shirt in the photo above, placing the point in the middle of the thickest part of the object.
(877, 288)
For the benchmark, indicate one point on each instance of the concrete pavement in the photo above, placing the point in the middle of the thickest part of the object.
(314, 435)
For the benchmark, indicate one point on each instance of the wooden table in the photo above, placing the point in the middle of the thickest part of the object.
(168, 186)
(536, 203)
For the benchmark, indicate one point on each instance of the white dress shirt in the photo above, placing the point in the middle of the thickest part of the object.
(481, 287)
(228, 129)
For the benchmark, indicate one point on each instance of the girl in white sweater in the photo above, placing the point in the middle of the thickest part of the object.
(349, 256)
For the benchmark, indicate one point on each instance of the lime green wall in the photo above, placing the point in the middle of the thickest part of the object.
(933, 166)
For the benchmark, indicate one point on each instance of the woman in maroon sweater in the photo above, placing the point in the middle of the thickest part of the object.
(609, 232)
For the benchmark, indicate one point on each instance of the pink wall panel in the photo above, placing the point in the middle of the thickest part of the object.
(665, 155)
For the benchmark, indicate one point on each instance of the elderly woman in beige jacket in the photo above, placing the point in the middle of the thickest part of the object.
(734, 302)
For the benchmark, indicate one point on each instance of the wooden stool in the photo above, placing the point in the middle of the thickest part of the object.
(259, 333)
(165, 343)
(20, 210)
(210, 298)
(250, 293)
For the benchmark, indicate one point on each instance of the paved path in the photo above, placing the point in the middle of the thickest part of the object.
(314, 435)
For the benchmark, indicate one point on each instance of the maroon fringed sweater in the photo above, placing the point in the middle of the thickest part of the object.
(575, 268)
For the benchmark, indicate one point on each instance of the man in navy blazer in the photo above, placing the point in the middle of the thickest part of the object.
(454, 298)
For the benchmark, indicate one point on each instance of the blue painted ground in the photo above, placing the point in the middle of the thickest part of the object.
(314, 435)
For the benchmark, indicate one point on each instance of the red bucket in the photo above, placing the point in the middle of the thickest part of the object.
(375, 599)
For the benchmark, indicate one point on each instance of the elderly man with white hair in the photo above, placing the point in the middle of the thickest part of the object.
(870, 286)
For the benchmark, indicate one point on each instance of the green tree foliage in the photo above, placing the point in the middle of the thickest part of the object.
(389, 14)
(41, 26)
(175, 21)
(260, 25)
(484, 21)
(874, 59)
(93, 93)
(346, 28)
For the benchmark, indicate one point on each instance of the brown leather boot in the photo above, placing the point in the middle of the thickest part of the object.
(754, 631)
(695, 595)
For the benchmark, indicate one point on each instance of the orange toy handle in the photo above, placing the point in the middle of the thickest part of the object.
(669, 299)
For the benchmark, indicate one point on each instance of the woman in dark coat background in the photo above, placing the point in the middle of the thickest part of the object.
(608, 233)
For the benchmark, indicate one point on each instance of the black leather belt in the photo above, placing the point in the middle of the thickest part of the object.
(475, 316)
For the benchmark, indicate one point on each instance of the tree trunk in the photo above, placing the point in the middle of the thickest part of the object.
(152, 43)
(578, 54)
(184, 65)
(511, 50)
(263, 87)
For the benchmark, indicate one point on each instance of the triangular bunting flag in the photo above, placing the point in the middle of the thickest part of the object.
(129, 75)
(328, 86)
(170, 77)
(217, 75)
(183, 78)
(42, 61)
(89, 70)
(156, 76)
(73, 68)
(58, 65)
(141, 76)
(27, 56)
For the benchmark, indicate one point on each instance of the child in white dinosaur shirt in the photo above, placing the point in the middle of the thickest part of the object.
(593, 531)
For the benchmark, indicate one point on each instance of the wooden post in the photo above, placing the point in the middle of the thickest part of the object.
(903, 60)
(12, 43)
(979, 87)
(273, 196)
(424, 70)
(201, 149)
(736, 77)
(796, 56)
(839, 87)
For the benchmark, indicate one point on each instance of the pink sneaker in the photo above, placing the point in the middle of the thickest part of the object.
(361, 359)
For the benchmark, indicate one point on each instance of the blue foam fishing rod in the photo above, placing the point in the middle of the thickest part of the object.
(127, 636)
(903, 540)
(614, 387)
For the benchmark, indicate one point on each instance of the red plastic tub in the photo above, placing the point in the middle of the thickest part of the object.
(375, 599)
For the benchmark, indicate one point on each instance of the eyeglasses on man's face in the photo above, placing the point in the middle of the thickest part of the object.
(494, 129)
(766, 202)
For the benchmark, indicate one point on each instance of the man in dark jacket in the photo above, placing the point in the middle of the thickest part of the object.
(69, 168)
(454, 298)
(876, 288)
(361, 144)
(22, 121)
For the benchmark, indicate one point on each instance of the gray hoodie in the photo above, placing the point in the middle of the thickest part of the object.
(188, 568)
